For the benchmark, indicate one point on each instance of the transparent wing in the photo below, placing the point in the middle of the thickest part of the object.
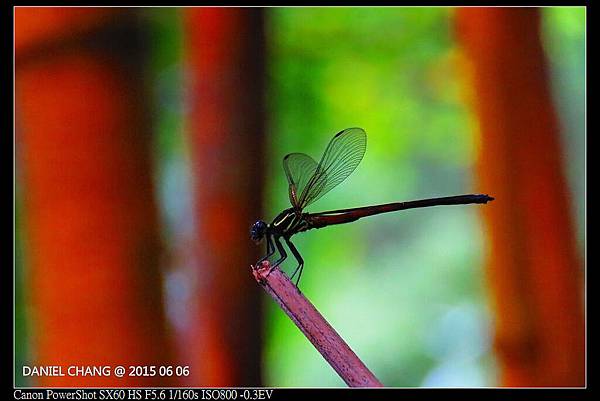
(299, 169)
(341, 157)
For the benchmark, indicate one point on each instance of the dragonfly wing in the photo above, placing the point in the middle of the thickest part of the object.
(299, 169)
(343, 154)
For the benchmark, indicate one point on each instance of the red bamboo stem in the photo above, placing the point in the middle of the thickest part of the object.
(225, 53)
(533, 267)
(90, 219)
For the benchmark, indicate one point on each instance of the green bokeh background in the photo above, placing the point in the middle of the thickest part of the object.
(406, 291)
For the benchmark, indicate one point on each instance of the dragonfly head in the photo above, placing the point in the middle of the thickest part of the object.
(258, 231)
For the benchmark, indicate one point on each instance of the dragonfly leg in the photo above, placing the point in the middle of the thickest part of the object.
(298, 258)
(270, 250)
(281, 252)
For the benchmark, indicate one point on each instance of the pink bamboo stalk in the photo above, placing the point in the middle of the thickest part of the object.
(314, 326)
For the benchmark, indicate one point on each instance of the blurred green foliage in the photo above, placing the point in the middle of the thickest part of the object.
(20, 327)
(404, 290)
(563, 30)
(387, 283)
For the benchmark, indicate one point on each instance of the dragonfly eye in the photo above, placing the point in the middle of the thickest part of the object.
(258, 230)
